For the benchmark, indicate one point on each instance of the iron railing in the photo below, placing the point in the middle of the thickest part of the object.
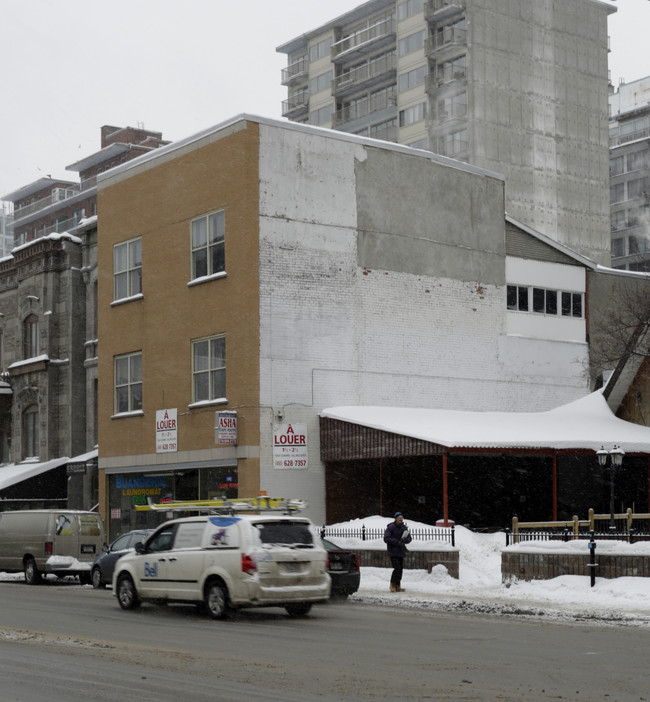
(446, 534)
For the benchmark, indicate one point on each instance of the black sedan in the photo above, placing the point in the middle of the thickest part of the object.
(103, 566)
(343, 569)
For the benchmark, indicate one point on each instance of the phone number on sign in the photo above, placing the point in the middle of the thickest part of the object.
(290, 463)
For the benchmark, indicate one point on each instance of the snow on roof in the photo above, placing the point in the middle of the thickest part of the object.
(13, 473)
(587, 423)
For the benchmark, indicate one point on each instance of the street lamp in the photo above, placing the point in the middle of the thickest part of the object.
(615, 457)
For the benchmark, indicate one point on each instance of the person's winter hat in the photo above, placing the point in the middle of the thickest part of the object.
(398, 514)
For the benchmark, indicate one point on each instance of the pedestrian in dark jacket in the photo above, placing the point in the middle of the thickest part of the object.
(396, 536)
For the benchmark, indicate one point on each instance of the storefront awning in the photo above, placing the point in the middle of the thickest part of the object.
(587, 423)
(13, 473)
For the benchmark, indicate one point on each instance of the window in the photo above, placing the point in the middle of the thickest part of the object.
(321, 116)
(618, 247)
(30, 337)
(637, 160)
(321, 49)
(411, 43)
(523, 298)
(571, 304)
(517, 298)
(321, 82)
(617, 193)
(544, 301)
(127, 269)
(384, 130)
(637, 188)
(409, 8)
(208, 244)
(616, 166)
(209, 369)
(412, 78)
(411, 115)
(30, 432)
(128, 383)
(453, 144)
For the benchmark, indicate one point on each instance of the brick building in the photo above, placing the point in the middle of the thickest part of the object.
(48, 333)
(285, 269)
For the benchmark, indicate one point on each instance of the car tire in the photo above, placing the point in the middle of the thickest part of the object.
(127, 595)
(216, 600)
(32, 574)
(96, 578)
(298, 609)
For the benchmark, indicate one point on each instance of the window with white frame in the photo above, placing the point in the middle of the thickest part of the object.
(128, 382)
(526, 298)
(321, 49)
(209, 244)
(127, 269)
(209, 369)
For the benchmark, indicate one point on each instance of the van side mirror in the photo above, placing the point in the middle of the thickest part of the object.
(139, 548)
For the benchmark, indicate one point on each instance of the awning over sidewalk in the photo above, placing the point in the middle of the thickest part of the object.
(13, 473)
(587, 423)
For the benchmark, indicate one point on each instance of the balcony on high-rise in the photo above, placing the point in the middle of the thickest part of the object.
(375, 71)
(439, 10)
(296, 71)
(365, 40)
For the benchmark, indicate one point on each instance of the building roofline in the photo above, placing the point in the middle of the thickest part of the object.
(35, 187)
(121, 171)
(583, 260)
(347, 17)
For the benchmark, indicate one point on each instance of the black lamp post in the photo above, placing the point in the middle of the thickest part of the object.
(615, 457)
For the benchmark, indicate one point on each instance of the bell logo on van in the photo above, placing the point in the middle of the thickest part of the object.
(150, 570)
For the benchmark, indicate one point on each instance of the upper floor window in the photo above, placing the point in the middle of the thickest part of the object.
(127, 269)
(412, 78)
(209, 244)
(30, 432)
(128, 382)
(409, 8)
(411, 115)
(209, 369)
(324, 114)
(30, 337)
(322, 48)
(321, 82)
(411, 43)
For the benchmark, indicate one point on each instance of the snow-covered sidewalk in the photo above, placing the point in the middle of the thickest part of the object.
(479, 587)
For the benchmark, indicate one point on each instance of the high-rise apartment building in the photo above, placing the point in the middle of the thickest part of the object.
(629, 168)
(519, 87)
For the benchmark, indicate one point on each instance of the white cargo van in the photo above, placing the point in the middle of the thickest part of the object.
(42, 541)
(225, 562)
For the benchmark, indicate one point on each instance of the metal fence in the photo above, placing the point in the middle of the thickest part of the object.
(446, 534)
(566, 534)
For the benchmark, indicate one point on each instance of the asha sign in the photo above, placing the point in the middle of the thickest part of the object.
(225, 427)
(290, 446)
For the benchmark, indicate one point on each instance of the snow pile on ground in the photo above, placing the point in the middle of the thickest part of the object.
(479, 587)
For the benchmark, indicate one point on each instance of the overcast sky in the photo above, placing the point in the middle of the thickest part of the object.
(175, 66)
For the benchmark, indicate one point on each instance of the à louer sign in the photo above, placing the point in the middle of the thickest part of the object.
(290, 446)
(166, 430)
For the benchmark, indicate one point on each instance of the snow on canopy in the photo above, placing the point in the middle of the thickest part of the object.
(587, 423)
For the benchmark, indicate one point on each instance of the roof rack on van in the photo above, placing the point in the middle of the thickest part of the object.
(229, 505)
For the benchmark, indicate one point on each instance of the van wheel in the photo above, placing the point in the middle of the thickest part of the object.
(32, 576)
(216, 600)
(96, 577)
(298, 609)
(127, 595)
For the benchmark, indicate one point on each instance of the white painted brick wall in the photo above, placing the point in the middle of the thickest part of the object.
(335, 334)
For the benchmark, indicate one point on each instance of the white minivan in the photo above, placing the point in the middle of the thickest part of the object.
(57, 541)
(226, 562)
